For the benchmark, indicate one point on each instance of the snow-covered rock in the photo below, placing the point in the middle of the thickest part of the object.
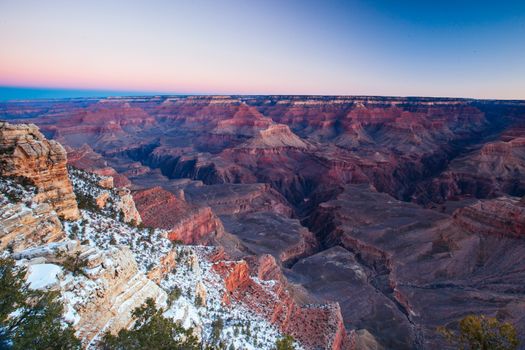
(44, 276)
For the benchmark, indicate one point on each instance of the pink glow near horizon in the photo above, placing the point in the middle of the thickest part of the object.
(269, 47)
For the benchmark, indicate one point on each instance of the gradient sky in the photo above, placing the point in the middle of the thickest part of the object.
(425, 48)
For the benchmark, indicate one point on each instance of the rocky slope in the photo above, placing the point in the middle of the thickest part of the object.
(184, 222)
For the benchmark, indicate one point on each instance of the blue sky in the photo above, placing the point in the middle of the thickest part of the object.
(425, 48)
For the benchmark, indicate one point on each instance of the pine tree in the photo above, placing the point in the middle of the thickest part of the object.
(151, 331)
(30, 319)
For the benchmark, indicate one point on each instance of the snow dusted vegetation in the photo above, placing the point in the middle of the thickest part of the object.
(195, 290)
(148, 245)
(240, 326)
(14, 192)
(104, 267)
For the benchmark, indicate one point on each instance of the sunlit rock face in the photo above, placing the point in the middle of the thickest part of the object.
(403, 213)
(26, 153)
(24, 222)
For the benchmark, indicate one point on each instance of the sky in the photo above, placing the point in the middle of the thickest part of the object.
(321, 47)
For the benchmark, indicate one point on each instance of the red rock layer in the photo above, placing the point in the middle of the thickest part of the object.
(162, 209)
(315, 327)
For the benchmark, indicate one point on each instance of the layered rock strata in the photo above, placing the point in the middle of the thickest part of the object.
(26, 153)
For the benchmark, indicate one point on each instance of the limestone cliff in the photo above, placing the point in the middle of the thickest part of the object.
(26, 153)
(24, 223)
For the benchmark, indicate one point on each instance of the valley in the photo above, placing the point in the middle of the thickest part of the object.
(397, 215)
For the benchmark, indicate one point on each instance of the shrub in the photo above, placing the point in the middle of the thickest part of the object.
(285, 343)
(75, 264)
(86, 203)
(37, 323)
(174, 295)
(198, 301)
(217, 327)
(482, 333)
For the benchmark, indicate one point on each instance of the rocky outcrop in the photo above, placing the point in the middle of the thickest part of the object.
(22, 227)
(314, 327)
(199, 227)
(120, 288)
(103, 297)
(183, 221)
(97, 190)
(502, 217)
(24, 223)
(126, 206)
(26, 153)
(276, 136)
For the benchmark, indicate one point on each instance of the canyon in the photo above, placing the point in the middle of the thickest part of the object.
(347, 222)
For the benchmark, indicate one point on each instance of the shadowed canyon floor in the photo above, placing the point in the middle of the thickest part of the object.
(408, 212)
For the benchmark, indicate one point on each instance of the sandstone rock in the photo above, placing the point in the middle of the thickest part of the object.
(126, 206)
(24, 225)
(102, 199)
(167, 264)
(106, 182)
(25, 152)
(120, 287)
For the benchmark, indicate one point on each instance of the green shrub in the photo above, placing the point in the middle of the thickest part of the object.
(198, 301)
(217, 327)
(482, 333)
(285, 343)
(174, 295)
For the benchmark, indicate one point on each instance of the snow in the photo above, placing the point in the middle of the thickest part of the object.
(102, 230)
(242, 327)
(43, 276)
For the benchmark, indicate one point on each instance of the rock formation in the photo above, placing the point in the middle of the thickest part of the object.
(26, 153)
(315, 327)
(502, 217)
(184, 222)
(22, 223)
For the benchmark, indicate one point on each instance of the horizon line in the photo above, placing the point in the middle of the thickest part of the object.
(107, 93)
